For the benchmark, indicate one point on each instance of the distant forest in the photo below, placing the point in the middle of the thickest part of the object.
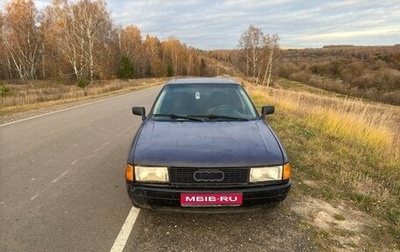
(371, 72)
(77, 40)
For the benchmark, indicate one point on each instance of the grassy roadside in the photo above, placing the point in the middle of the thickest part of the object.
(345, 152)
(42, 95)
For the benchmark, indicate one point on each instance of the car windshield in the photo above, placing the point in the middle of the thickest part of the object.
(200, 102)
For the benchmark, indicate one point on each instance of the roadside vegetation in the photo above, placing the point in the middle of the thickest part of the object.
(368, 72)
(46, 94)
(346, 152)
(72, 48)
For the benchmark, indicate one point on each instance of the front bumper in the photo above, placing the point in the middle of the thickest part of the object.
(165, 198)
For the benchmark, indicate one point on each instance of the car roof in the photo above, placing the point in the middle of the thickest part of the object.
(202, 80)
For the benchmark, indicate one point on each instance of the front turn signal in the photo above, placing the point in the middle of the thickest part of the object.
(287, 170)
(129, 174)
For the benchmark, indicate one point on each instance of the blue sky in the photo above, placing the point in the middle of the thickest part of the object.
(218, 24)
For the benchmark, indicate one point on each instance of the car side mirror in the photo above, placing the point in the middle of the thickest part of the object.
(140, 111)
(266, 110)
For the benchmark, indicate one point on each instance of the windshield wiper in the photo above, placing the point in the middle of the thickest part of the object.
(216, 116)
(175, 116)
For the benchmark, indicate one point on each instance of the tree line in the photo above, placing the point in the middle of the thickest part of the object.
(78, 40)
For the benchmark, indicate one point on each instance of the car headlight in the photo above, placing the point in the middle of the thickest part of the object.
(262, 174)
(151, 174)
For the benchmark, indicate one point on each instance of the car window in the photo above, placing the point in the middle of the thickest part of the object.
(207, 101)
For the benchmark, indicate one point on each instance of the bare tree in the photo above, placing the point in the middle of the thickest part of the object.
(131, 43)
(271, 46)
(5, 62)
(79, 28)
(156, 67)
(251, 45)
(67, 36)
(171, 49)
(258, 49)
(22, 37)
(95, 23)
(77, 38)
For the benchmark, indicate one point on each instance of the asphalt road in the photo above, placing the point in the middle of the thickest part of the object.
(62, 188)
(62, 176)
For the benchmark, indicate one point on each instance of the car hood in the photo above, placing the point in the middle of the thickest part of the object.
(206, 144)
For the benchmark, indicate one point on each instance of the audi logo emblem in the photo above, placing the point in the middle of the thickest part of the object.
(208, 176)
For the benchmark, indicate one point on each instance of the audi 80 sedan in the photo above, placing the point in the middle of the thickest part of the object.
(204, 146)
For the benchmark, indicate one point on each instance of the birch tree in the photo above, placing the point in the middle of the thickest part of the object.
(257, 50)
(171, 53)
(156, 67)
(131, 44)
(251, 45)
(4, 60)
(272, 47)
(80, 28)
(22, 37)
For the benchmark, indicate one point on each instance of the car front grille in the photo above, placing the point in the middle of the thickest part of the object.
(208, 177)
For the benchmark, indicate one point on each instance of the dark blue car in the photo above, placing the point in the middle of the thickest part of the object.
(203, 146)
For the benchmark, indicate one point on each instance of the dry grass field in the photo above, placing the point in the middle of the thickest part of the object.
(39, 94)
(343, 150)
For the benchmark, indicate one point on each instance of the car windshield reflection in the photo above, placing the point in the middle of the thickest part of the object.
(200, 102)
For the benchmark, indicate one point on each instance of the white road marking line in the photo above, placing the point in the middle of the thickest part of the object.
(34, 197)
(70, 108)
(73, 162)
(102, 146)
(50, 113)
(55, 180)
(125, 231)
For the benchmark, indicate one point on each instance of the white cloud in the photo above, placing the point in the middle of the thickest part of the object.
(353, 34)
(211, 24)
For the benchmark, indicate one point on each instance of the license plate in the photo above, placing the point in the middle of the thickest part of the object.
(211, 199)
